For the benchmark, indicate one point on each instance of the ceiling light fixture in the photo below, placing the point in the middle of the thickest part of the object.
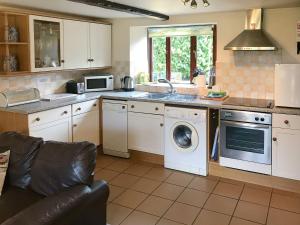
(194, 3)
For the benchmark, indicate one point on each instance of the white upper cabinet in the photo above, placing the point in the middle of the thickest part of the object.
(46, 43)
(100, 45)
(76, 44)
(57, 44)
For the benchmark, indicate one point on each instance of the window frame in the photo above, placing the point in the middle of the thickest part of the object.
(193, 50)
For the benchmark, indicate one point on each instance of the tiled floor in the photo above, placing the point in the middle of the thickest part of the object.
(148, 194)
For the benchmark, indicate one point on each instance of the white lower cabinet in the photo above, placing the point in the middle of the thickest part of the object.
(55, 131)
(146, 132)
(285, 147)
(86, 127)
(286, 153)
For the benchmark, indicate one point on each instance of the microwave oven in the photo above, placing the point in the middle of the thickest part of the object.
(103, 82)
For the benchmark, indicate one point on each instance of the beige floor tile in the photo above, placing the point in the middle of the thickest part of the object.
(168, 191)
(250, 211)
(193, 197)
(285, 202)
(168, 222)
(104, 161)
(105, 174)
(139, 218)
(221, 204)
(116, 214)
(138, 169)
(281, 217)
(286, 193)
(238, 221)
(182, 213)
(159, 174)
(257, 196)
(124, 180)
(212, 218)
(228, 190)
(146, 185)
(130, 199)
(114, 192)
(179, 178)
(203, 184)
(155, 205)
(119, 165)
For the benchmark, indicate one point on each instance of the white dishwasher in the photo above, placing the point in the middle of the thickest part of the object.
(115, 128)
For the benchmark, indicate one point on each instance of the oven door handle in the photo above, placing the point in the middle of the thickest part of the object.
(246, 125)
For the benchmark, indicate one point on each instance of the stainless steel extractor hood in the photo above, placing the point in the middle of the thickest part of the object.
(253, 37)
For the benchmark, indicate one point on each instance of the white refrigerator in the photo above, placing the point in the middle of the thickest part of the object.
(287, 85)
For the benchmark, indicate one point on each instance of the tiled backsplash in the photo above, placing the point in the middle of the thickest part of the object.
(47, 83)
(247, 74)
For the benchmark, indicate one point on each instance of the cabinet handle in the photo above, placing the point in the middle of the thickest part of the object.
(65, 112)
(79, 109)
(92, 60)
(132, 106)
(62, 61)
(161, 124)
(156, 108)
(286, 122)
(89, 60)
(95, 105)
(75, 125)
(37, 119)
(123, 107)
(274, 139)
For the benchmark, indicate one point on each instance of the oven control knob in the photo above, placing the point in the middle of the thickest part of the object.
(256, 118)
(262, 119)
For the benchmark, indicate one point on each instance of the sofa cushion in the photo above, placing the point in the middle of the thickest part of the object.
(62, 165)
(15, 200)
(4, 158)
(23, 150)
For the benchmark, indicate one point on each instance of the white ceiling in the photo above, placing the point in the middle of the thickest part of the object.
(169, 7)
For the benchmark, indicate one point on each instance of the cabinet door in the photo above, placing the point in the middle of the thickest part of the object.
(100, 45)
(55, 131)
(86, 127)
(76, 47)
(46, 43)
(286, 153)
(146, 132)
(114, 122)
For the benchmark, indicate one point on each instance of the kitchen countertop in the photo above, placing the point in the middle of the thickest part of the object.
(185, 100)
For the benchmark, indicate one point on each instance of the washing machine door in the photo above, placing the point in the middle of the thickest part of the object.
(184, 137)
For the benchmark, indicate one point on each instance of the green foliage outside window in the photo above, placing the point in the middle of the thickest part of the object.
(180, 56)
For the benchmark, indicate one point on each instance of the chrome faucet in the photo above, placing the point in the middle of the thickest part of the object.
(171, 89)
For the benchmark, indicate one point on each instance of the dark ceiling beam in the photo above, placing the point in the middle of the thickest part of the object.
(123, 8)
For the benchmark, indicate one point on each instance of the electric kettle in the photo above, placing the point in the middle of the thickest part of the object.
(127, 83)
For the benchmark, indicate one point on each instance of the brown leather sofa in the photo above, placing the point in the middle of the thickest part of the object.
(51, 183)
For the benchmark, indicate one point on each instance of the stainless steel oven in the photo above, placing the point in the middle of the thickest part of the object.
(246, 140)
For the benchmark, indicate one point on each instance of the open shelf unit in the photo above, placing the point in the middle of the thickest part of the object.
(20, 49)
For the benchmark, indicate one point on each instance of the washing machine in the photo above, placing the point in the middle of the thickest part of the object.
(186, 140)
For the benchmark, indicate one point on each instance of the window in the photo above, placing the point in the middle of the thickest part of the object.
(175, 52)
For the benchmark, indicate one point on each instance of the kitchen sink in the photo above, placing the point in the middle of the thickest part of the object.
(168, 96)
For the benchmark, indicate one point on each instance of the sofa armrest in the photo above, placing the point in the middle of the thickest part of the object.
(65, 207)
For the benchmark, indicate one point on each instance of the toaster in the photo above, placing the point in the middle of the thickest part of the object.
(75, 87)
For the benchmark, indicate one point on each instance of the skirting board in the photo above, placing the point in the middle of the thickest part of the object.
(255, 178)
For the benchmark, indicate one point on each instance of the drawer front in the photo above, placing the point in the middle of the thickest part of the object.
(146, 107)
(286, 121)
(40, 118)
(84, 107)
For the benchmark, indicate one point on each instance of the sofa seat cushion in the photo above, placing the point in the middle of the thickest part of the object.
(59, 166)
(15, 200)
(23, 150)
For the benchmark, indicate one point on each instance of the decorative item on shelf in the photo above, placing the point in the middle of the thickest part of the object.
(194, 4)
(12, 34)
(10, 63)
